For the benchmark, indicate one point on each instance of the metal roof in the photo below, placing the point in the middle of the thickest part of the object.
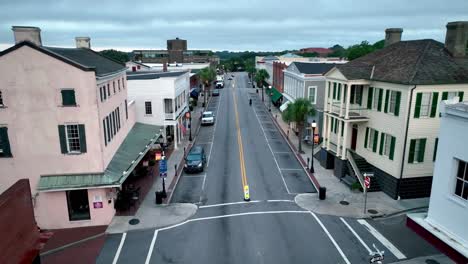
(131, 151)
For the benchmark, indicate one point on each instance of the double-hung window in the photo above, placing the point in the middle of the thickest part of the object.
(387, 145)
(371, 139)
(312, 94)
(72, 138)
(417, 150)
(5, 150)
(392, 102)
(461, 184)
(148, 109)
(426, 104)
(68, 97)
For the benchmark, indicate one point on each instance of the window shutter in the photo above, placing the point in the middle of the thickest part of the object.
(104, 92)
(417, 108)
(104, 130)
(392, 148)
(63, 139)
(379, 105)
(382, 138)
(422, 150)
(5, 142)
(444, 96)
(338, 94)
(460, 94)
(331, 125)
(435, 149)
(435, 100)
(397, 103)
(329, 89)
(336, 125)
(81, 131)
(365, 139)
(334, 90)
(68, 97)
(369, 98)
(342, 128)
(376, 138)
(411, 151)
(387, 98)
(100, 93)
(359, 98)
(352, 94)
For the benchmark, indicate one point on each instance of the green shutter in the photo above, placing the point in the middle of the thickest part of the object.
(382, 138)
(104, 130)
(338, 95)
(397, 103)
(369, 97)
(422, 149)
(342, 128)
(68, 97)
(392, 148)
(359, 98)
(411, 151)
(460, 94)
(336, 125)
(329, 89)
(81, 131)
(5, 142)
(387, 98)
(331, 125)
(365, 139)
(435, 149)
(63, 139)
(417, 108)
(352, 94)
(334, 90)
(444, 96)
(376, 138)
(379, 105)
(435, 100)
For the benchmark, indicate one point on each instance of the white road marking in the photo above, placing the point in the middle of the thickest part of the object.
(117, 254)
(214, 133)
(248, 213)
(194, 176)
(356, 235)
(275, 201)
(204, 179)
(395, 251)
(283, 152)
(331, 238)
(271, 150)
(291, 169)
(204, 143)
(224, 204)
(150, 251)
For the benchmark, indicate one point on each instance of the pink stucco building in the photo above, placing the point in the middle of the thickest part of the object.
(66, 124)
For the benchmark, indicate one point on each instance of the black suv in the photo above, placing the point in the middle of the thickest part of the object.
(195, 160)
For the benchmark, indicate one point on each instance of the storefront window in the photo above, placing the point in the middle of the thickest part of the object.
(78, 205)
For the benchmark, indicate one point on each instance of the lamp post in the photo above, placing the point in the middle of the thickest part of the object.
(189, 116)
(314, 125)
(269, 107)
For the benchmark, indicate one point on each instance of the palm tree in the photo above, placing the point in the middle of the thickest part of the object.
(297, 112)
(207, 76)
(260, 79)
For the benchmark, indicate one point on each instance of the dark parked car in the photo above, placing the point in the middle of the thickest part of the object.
(215, 92)
(195, 160)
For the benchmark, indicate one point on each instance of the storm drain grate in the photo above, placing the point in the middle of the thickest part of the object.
(372, 211)
(134, 221)
(344, 203)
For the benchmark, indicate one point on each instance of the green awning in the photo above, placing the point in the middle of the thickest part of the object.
(276, 95)
(131, 151)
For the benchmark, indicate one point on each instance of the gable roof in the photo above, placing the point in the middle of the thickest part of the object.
(270, 57)
(313, 68)
(408, 62)
(149, 75)
(139, 63)
(84, 59)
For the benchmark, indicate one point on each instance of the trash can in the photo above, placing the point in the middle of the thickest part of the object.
(322, 193)
(159, 197)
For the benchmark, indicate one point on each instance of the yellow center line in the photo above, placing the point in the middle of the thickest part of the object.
(241, 148)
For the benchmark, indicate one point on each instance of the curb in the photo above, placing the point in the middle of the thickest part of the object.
(52, 251)
(176, 179)
(384, 216)
(311, 176)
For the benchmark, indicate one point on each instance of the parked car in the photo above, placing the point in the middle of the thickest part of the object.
(215, 93)
(230, 79)
(195, 160)
(207, 118)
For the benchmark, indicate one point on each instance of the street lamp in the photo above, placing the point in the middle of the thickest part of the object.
(269, 107)
(189, 116)
(314, 125)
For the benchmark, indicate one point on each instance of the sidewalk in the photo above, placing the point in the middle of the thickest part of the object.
(338, 191)
(151, 215)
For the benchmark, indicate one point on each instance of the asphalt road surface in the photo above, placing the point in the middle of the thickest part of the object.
(245, 148)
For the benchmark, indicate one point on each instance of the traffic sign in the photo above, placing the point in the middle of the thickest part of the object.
(367, 182)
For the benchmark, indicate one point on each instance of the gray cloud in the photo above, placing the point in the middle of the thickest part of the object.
(228, 24)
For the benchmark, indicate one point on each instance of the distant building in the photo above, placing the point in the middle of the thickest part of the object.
(381, 111)
(135, 66)
(322, 52)
(445, 224)
(176, 52)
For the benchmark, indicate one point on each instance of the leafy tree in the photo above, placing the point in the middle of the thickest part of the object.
(207, 76)
(359, 50)
(311, 54)
(116, 55)
(297, 112)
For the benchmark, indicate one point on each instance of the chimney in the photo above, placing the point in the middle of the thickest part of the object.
(165, 67)
(83, 42)
(456, 39)
(31, 34)
(392, 35)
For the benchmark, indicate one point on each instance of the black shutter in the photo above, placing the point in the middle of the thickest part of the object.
(126, 110)
(444, 96)
(100, 93)
(460, 94)
(379, 103)
(435, 149)
(435, 99)
(369, 97)
(411, 151)
(397, 103)
(63, 139)
(417, 107)
(392, 148)
(5, 142)
(82, 132)
(104, 130)
(382, 138)
(365, 139)
(422, 149)
(68, 97)
(352, 94)
(376, 138)
(387, 98)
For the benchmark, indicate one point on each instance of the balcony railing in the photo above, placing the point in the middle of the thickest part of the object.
(169, 116)
(355, 111)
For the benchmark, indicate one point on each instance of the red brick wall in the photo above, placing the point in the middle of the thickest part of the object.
(278, 75)
(20, 237)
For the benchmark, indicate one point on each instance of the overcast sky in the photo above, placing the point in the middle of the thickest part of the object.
(227, 24)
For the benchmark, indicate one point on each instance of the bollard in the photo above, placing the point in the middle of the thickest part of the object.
(308, 160)
(322, 193)
(175, 169)
(158, 198)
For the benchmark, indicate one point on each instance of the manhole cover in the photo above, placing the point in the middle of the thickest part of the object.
(344, 203)
(372, 211)
(432, 261)
(134, 221)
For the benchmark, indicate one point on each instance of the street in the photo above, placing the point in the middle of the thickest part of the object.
(245, 148)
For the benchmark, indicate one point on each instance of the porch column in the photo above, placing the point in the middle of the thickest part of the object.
(342, 99)
(176, 139)
(325, 106)
(328, 132)
(324, 130)
(348, 100)
(340, 128)
(345, 140)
